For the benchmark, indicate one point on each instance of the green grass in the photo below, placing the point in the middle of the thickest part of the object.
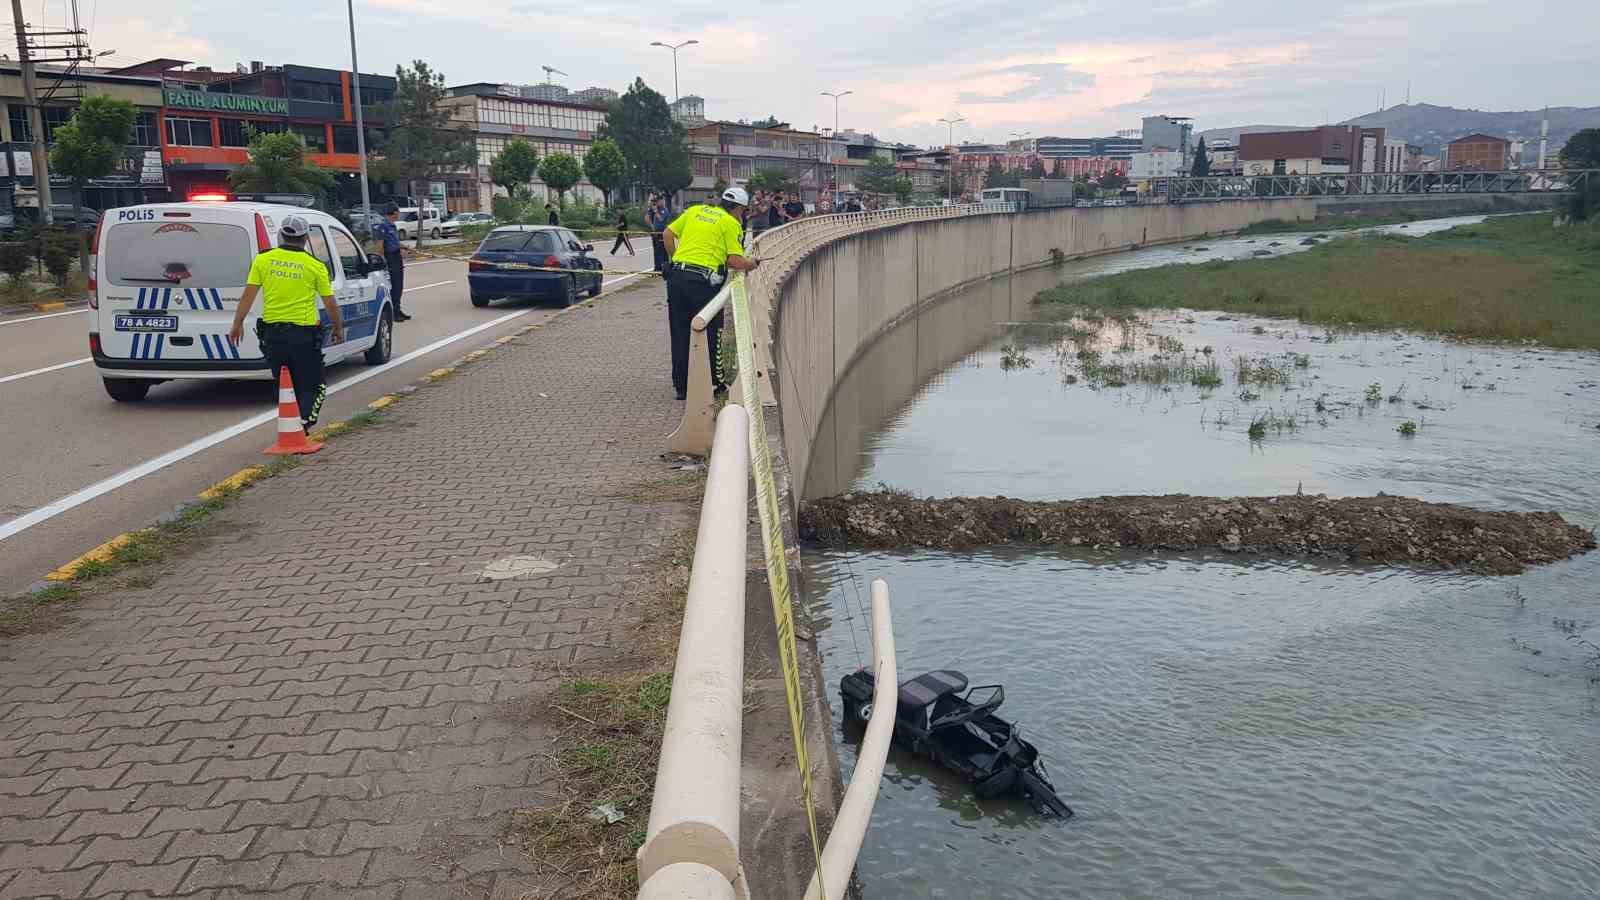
(1516, 278)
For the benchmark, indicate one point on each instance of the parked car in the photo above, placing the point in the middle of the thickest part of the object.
(412, 219)
(532, 262)
(454, 224)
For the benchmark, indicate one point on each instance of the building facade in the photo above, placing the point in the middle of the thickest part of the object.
(731, 152)
(497, 117)
(1328, 150)
(1161, 162)
(1171, 132)
(1477, 153)
(138, 175)
(206, 127)
(1121, 147)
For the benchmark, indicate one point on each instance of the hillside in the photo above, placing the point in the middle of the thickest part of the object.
(1431, 126)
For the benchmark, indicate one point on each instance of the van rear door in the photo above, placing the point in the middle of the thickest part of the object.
(170, 280)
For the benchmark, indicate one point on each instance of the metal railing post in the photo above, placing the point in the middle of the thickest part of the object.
(694, 814)
(855, 811)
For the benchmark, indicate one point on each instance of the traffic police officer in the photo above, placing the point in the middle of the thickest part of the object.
(290, 280)
(703, 243)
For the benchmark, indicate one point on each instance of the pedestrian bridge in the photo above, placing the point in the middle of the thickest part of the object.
(1376, 184)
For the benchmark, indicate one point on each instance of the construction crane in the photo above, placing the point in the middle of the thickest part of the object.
(551, 70)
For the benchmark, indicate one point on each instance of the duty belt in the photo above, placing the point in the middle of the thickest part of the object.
(707, 271)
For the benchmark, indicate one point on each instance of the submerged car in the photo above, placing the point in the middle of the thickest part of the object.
(960, 731)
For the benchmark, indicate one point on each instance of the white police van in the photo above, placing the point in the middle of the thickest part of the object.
(167, 279)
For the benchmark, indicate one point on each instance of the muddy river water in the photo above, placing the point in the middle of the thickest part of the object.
(1229, 726)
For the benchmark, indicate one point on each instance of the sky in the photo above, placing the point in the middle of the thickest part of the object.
(1067, 67)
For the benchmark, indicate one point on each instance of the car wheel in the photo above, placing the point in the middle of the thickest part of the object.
(599, 282)
(383, 341)
(127, 390)
(569, 293)
(481, 300)
(434, 234)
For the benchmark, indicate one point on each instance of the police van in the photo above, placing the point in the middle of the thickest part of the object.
(167, 278)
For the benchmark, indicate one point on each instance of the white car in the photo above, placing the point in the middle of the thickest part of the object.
(411, 219)
(452, 226)
(168, 276)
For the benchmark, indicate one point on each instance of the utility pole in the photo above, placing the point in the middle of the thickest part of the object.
(30, 96)
(951, 189)
(361, 131)
(836, 97)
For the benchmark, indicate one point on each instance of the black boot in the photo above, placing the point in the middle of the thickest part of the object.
(400, 315)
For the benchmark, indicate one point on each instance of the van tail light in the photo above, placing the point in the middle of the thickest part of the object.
(263, 243)
(94, 269)
(94, 343)
(476, 265)
(552, 262)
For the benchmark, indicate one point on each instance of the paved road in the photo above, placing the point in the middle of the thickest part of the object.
(61, 434)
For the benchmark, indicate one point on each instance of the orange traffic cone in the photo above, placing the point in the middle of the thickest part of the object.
(291, 433)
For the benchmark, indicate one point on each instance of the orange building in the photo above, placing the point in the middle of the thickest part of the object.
(1477, 153)
(206, 123)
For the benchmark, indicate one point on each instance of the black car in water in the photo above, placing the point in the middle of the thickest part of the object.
(960, 732)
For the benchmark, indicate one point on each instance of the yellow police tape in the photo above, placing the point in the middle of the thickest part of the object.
(518, 267)
(772, 546)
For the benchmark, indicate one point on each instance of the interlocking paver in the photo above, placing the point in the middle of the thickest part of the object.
(326, 701)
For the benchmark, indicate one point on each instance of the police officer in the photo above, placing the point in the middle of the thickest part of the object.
(390, 235)
(290, 280)
(704, 242)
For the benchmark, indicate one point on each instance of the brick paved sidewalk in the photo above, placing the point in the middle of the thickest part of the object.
(328, 700)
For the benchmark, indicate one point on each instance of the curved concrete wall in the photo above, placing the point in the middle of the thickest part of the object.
(844, 295)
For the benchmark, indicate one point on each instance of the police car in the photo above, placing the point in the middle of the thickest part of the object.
(167, 278)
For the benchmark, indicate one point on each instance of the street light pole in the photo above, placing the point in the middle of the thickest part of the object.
(836, 97)
(361, 131)
(674, 48)
(951, 165)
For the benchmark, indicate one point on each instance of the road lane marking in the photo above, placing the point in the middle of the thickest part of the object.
(66, 365)
(100, 488)
(70, 312)
(423, 287)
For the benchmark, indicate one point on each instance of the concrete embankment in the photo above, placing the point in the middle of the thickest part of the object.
(1379, 530)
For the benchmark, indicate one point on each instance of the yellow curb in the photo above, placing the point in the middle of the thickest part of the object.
(329, 431)
(475, 355)
(240, 479)
(385, 401)
(437, 374)
(50, 307)
(98, 554)
(506, 340)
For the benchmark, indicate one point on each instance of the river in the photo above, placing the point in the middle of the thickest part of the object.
(1223, 725)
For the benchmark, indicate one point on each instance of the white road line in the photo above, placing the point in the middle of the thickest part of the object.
(66, 365)
(70, 312)
(423, 287)
(49, 511)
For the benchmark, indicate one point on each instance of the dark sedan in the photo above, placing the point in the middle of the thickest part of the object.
(533, 262)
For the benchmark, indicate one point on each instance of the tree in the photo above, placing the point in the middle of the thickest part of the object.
(902, 188)
(998, 177)
(879, 176)
(605, 166)
(655, 146)
(88, 146)
(1202, 161)
(768, 122)
(1036, 167)
(514, 168)
(1113, 181)
(772, 180)
(1581, 152)
(422, 141)
(278, 165)
(561, 172)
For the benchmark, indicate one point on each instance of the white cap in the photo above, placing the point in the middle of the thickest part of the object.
(294, 228)
(736, 195)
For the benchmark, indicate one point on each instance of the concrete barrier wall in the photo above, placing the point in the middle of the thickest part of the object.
(846, 294)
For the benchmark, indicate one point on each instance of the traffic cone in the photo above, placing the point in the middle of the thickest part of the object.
(291, 433)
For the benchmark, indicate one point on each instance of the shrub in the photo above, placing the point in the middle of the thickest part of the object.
(58, 248)
(15, 259)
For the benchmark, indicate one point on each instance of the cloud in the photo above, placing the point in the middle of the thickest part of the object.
(1037, 81)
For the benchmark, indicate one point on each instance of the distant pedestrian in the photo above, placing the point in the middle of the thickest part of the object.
(657, 217)
(390, 235)
(705, 242)
(622, 235)
(795, 208)
(290, 280)
(775, 213)
(554, 216)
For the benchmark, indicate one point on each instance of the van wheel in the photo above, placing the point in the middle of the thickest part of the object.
(569, 294)
(481, 300)
(127, 390)
(434, 234)
(383, 340)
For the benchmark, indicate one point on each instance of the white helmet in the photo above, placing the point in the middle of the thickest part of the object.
(736, 195)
